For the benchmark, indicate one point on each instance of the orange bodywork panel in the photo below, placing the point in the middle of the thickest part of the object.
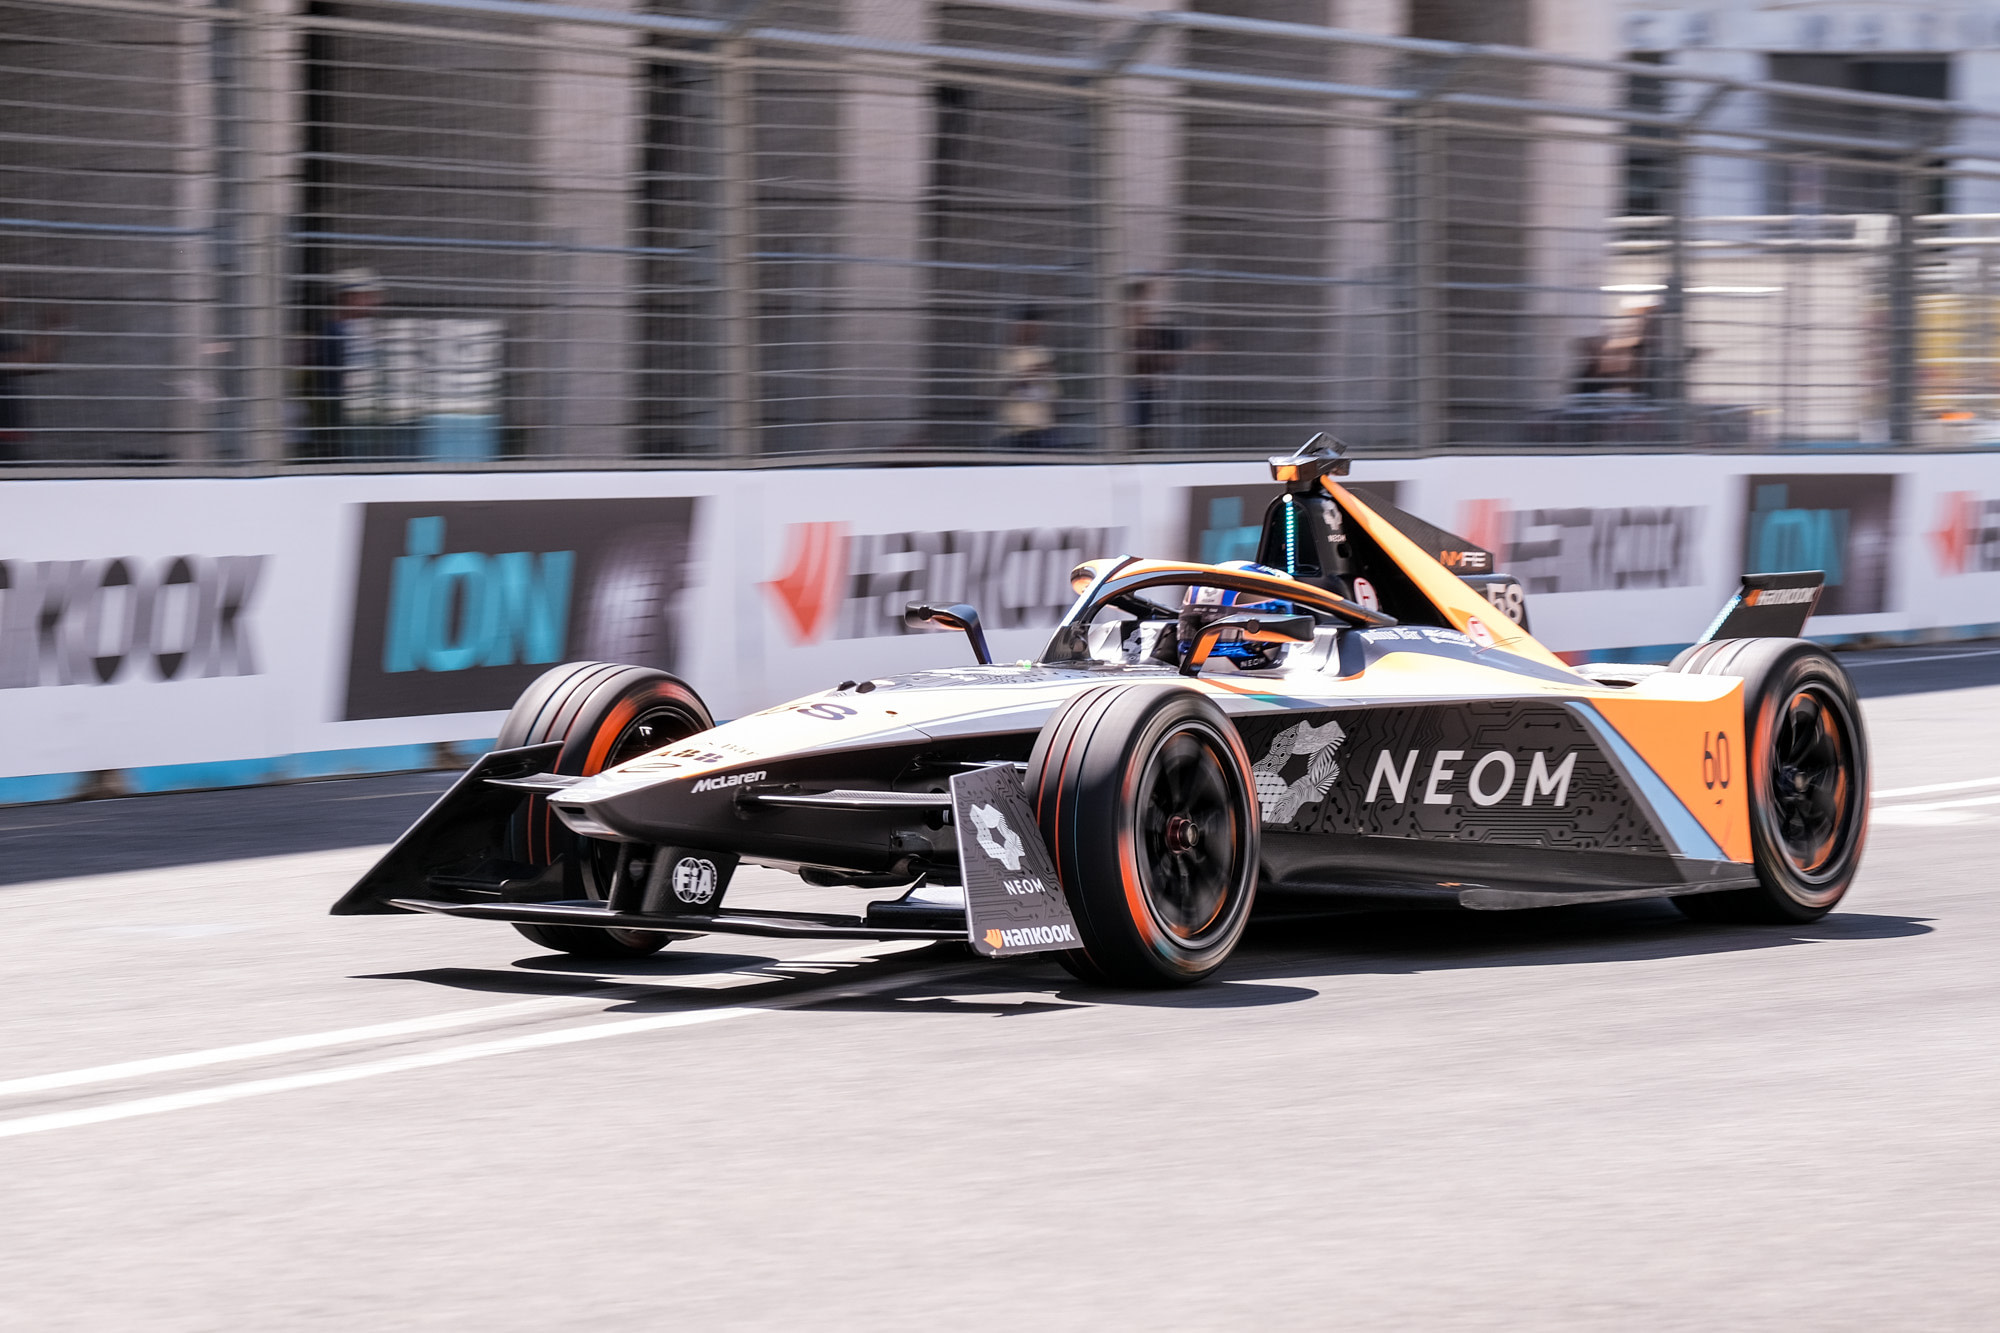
(1699, 749)
(1447, 591)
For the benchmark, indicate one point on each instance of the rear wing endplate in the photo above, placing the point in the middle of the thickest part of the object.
(1769, 606)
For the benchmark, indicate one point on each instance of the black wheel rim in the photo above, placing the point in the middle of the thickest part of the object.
(1189, 834)
(642, 735)
(648, 732)
(1810, 794)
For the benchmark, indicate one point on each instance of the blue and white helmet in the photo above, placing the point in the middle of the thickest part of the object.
(1207, 603)
(1237, 601)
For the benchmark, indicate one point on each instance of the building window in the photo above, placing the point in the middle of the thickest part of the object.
(1842, 182)
(1649, 167)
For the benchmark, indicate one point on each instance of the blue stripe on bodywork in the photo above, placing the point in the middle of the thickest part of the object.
(1675, 819)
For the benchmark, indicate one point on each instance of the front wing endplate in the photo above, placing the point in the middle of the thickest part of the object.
(1014, 903)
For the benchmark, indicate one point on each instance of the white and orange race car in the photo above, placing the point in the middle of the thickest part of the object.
(1345, 720)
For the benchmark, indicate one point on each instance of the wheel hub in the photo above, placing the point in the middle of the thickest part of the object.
(1182, 836)
(1188, 824)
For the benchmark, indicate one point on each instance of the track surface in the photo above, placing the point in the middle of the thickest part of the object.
(222, 1109)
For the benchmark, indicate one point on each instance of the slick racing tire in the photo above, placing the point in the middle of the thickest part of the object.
(1807, 764)
(1145, 797)
(603, 714)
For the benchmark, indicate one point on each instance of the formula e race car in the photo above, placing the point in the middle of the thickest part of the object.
(1346, 720)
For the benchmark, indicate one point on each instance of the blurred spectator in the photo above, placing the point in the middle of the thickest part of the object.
(1625, 358)
(22, 355)
(1027, 382)
(1156, 348)
(1590, 372)
(344, 376)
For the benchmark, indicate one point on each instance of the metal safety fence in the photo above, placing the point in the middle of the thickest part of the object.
(274, 234)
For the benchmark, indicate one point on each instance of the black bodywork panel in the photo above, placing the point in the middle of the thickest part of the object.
(464, 831)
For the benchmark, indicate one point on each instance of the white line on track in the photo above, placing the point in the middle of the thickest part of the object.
(229, 1092)
(410, 1027)
(1940, 805)
(624, 1027)
(1928, 657)
(1930, 787)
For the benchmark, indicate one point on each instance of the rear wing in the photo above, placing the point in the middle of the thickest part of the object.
(1449, 549)
(1768, 606)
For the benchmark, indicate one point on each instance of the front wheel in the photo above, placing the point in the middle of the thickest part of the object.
(603, 714)
(1146, 798)
(1808, 779)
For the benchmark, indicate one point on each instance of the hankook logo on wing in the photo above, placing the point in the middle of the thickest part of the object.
(1780, 596)
(1026, 935)
(833, 584)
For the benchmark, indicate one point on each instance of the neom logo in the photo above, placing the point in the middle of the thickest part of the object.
(1487, 782)
(452, 611)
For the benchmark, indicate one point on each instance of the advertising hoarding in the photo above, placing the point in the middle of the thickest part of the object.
(459, 605)
(210, 631)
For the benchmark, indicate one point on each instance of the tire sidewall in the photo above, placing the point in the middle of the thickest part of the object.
(618, 702)
(1172, 718)
(1771, 670)
(1085, 776)
(587, 706)
(1802, 666)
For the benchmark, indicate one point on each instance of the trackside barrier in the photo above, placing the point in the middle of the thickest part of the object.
(171, 634)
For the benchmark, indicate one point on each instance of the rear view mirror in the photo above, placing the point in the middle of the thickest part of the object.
(1251, 627)
(959, 617)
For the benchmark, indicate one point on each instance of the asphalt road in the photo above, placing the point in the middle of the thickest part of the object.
(222, 1109)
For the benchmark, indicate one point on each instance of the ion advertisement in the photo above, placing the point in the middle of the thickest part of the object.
(459, 605)
(1840, 523)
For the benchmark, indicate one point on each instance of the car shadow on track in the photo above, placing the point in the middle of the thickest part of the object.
(562, 975)
(1411, 942)
(1380, 943)
(945, 979)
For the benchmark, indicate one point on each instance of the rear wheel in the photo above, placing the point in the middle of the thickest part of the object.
(604, 715)
(1808, 768)
(1146, 799)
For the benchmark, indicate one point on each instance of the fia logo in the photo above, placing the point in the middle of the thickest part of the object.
(694, 880)
(1006, 848)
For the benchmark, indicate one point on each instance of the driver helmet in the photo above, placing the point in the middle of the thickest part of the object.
(1204, 604)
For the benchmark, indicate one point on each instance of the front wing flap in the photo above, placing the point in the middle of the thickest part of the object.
(466, 825)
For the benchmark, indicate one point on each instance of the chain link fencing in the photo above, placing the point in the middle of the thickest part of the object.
(489, 233)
